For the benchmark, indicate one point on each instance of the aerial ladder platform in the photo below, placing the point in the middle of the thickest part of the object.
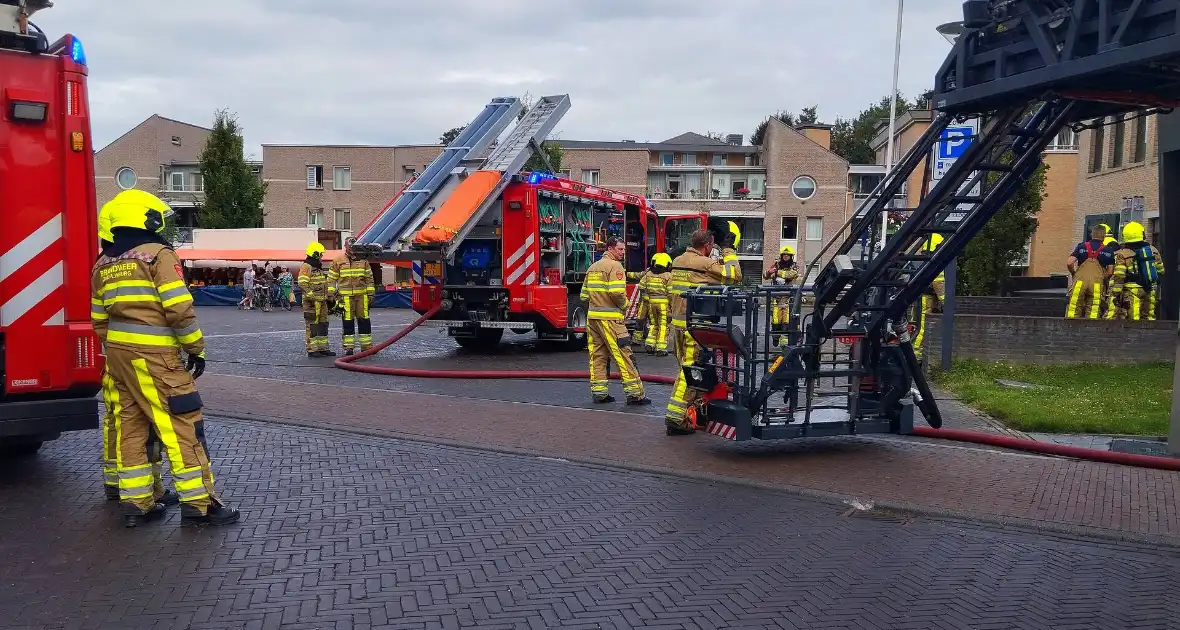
(1026, 70)
(431, 217)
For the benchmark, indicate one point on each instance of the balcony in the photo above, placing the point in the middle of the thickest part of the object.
(696, 195)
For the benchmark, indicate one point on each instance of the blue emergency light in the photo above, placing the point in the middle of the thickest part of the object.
(77, 53)
(535, 177)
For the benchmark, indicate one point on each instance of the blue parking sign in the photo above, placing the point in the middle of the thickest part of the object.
(954, 141)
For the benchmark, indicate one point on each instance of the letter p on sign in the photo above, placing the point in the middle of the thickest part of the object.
(954, 142)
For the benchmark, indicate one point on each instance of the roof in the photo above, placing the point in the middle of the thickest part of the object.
(685, 142)
(146, 121)
(904, 121)
(271, 255)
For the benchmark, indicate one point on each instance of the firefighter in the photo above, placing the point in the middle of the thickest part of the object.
(658, 279)
(729, 260)
(1137, 270)
(112, 405)
(143, 313)
(317, 301)
(641, 323)
(354, 288)
(932, 299)
(782, 272)
(693, 268)
(1089, 264)
(605, 294)
(1111, 245)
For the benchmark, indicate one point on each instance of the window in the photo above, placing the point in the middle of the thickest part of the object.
(1120, 140)
(341, 178)
(315, 177)
(1098, 138)
(126, 178)
(177, 182)
(720, 159)
(666, 159)
(790, 228)
(1139, 149)
(689, 159)
(408, 172)
(342, 219)
(590, 176)
(315, 217)
(565, 172)
(815, 228)
(176, 140)
(803, 188)
(1066, 140)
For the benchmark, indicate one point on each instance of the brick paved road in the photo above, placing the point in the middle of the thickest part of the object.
(343, 531)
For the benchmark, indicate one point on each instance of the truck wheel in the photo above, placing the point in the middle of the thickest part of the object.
(23, 448)
(484, 339)
(577, 319)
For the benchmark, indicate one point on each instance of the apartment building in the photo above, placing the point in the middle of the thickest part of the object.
(1118, 175)
(1051, 242)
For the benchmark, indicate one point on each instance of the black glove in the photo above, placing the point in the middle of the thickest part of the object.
(196, 365)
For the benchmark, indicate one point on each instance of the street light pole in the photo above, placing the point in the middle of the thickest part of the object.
(892, 117)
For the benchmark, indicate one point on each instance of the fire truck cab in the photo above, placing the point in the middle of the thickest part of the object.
(50, 360)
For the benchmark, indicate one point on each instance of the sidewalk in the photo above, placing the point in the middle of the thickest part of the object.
(1055, 493)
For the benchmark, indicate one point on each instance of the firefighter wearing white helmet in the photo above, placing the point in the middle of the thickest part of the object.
(143, 313)
(782, 272)
(317, 298)
(1137, 270)
(932, 298)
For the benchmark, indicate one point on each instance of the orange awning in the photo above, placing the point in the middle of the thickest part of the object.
(263, 255)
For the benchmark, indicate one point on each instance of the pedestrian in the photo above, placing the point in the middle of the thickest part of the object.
(694, 268)
(1089, 264)
(1137, 270)
(783, 273)
(313, 283)
(247, 288)
(605, 294)
(933, 296)
(353, 282)
(143, 314)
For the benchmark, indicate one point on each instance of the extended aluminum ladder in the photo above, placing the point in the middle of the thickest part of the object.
(413, 205)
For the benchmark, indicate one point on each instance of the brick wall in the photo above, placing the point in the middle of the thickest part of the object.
(1104, 190)
(621, 169)
(144, 149)
(1054, 238)
(1055, 340)
(1022, 306)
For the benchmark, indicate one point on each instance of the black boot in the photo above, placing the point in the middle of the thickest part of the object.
(671, 429)
(661, 353)
(217, 514)
(132, 516)
(638, 400)
(169, 499)
(602, 399)
(111, 492)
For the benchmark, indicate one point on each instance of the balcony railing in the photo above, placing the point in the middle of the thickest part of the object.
(187, 188)
(656, 193)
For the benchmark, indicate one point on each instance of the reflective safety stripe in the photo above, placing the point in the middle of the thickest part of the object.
(679, 322)
(604, 312)
(173, 293)
(658, 300)
(97, 310)
(124, 332)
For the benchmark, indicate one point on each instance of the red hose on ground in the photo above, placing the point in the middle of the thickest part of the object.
(1003, 441)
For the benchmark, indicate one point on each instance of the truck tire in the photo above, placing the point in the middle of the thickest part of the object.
(577, 319)
(484, 339)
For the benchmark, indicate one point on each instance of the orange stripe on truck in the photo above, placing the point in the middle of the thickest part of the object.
(458, 208)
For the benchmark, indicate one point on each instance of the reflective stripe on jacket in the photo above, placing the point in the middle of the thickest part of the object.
(605, 289)
(351, 277)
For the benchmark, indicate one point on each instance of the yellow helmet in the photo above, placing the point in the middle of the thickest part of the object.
(1108, 240)
(104, 223)
(661, 259)
(737, 234)
(137, 209)
(787, 249)
(1105, 227)
(931, 243)
(314, 249)
(1133, 232)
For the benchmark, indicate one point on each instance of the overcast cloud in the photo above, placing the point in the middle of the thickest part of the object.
(395, 71)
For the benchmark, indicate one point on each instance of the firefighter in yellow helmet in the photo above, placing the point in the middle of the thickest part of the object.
(931, 299)
(1110, 244)
(1089, 264)
(729, 259)
(354, 287)
(605, 295)
(143, 313)
(783, 272)
(658, 280)
(1137, 270)
(317, 295)
(112, 403)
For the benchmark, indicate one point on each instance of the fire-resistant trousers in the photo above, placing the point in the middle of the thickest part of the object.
(928, 303)
(110, 442)
(1085, 298)
(156, 392)
(1137, 303)
(606, 339)
(657, 325)
(315, 321)
(361, 332)
(676, 414)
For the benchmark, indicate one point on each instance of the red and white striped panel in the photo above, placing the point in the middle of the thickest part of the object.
(519, 265)
(721, 430)
(32, 278)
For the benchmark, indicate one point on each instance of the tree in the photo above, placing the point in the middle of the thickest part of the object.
(450, 135)
(852, 138)
(806, 116)
(987, 261)
(552, 150)
(233, 193)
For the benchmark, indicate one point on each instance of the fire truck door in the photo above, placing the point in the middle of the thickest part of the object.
(677, 236)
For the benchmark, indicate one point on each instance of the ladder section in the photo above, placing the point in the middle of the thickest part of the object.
(998, 161)
(482, 190)
(409, 207)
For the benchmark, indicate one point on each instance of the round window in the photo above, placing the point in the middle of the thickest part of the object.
(126, 178)
(803, 187)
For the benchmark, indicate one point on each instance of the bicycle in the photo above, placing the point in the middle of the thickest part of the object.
(261, 297)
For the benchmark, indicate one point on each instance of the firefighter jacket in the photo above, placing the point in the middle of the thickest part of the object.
(784, 273)
(313, 282)
(139, 302)
(351, 277)
(689, 271)
(1136, 263)
(1094, 259)
(731, 266)
(605, 289)
(657, 286)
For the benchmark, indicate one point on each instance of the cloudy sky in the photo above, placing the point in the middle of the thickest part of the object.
(396, 71)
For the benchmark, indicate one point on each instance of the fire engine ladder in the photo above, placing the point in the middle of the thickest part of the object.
(413, 205)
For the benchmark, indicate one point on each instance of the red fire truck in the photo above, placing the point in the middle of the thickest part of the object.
(50, 360)
(522, 266)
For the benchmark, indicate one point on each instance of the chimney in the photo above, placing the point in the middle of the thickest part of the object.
(817, 133)
(734, 139)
